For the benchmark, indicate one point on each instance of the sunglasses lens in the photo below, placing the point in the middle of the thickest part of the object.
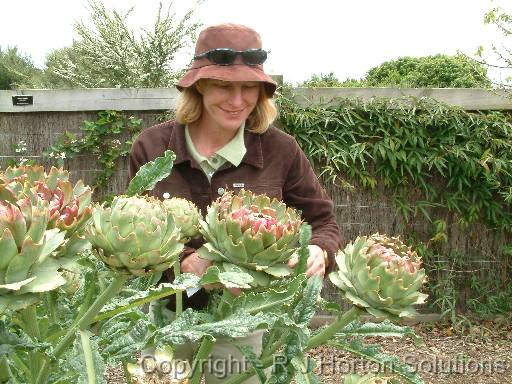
(222, 56)
(254, 56)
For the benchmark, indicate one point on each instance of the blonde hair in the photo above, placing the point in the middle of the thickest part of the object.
(190, 108)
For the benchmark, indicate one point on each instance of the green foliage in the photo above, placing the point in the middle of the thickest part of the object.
(408, 144)
(109, 138)
(438, 71)
(322, 80)
(501, 19)
(17, 70)
(108, 54)
(151, 173)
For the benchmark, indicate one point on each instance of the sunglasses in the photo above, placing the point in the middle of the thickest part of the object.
(227, 56)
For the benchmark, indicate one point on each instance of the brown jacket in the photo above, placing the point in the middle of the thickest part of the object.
(273, 164)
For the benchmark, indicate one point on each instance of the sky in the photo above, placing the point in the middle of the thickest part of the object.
(346, 37)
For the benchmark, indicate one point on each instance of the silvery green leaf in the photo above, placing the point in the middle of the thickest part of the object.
(306, 308)
(151, 173)
(185, 281)
(249, 354)
(121, 304)
(187, 328)
(383, 329)
(304, 370)
(125, 334)
(373, 353)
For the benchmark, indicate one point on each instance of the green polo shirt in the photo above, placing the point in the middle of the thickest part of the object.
(233, 152)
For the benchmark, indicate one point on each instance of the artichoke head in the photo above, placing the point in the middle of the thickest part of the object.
(26, 268)
(135, 235)
(186, 217)
(69, 205)
(253, 232)
(381, 275)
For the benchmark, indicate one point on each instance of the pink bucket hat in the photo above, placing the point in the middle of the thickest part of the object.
(235, 37)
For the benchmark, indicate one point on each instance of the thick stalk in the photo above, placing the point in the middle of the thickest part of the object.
(112, 290)
(30, 323)
(241, 377)
(89, 361)
(202, 354)
(179, 294)
(51, 299)
(340, 323)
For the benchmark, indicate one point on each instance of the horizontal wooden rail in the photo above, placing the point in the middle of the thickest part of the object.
(146, 99)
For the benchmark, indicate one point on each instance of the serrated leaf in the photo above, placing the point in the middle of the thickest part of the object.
(306, 307)
(125, 334)
(383, 329)
(151, 173)
(372, 353)
(249, 354)
(304, 370)
(273, 299)
(187, 327)
(19, 341)
(136, 299)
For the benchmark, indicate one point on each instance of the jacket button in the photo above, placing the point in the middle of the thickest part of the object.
(220, 191)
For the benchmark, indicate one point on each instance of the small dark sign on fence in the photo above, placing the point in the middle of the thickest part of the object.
(22, 100)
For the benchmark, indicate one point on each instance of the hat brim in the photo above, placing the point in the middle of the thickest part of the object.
(234, 72)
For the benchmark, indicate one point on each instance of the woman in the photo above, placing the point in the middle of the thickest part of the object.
(223, 139)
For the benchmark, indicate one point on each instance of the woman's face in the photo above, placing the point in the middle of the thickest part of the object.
(227, 104)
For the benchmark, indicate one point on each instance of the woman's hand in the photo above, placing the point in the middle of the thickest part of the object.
(193, 263)
(316, 262)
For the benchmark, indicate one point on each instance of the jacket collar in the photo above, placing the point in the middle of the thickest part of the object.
(253, 156)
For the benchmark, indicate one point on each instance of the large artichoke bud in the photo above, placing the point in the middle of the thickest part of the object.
(380, 274)
(70, 206)
(253, 232)
(135, 235)
(186, 217)
(25, 245)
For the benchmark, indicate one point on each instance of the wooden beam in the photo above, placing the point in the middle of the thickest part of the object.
(143, 99)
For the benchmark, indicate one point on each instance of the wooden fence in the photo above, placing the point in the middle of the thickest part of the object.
(361, 212)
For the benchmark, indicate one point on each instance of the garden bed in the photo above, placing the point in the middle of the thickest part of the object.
(477, 352)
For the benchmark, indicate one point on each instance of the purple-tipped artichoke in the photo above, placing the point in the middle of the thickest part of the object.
(252, 232)
(186, 217)
(135, 235)
(381, 275)
(69, 206)
(26, 267)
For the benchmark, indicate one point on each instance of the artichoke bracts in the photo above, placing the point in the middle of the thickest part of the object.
(186, 217)
(252, 232)
(135, 235)
(26, 267)
(381, 275)
(69, 206)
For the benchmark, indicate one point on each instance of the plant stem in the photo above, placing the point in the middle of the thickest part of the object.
(340, 323)
(30, 323)
(241, 377)
(179, 294)
(51, 299)
(89, 362)
(112, 290)
(202, 354)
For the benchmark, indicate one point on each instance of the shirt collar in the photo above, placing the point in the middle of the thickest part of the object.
(177, 143)
(235, 150)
